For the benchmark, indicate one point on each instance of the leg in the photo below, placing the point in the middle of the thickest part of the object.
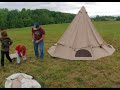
(18, 58)
(36, 49)
(41, 49)
(2, 58)
(8, 57)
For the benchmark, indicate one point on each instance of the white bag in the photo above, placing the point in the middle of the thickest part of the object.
(21, 80)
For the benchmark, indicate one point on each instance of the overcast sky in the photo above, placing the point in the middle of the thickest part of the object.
(93, 8)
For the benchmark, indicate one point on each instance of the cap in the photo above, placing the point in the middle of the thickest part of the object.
(36, 25)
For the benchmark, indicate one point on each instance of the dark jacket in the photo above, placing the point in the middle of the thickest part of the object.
(5, 43)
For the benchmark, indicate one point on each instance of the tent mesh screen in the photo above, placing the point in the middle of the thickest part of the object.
(83, 53)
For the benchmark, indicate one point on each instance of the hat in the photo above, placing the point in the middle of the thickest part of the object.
(36, 25)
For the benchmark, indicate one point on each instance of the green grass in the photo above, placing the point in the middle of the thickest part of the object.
(61, 73)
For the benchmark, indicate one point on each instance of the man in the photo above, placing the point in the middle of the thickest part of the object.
(38, 34)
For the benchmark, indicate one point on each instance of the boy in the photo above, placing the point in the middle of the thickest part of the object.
(5, 45)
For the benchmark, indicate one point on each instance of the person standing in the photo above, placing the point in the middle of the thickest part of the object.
(5, 45)
(38, 34)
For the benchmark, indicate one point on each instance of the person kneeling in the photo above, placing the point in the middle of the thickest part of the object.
(20, 52)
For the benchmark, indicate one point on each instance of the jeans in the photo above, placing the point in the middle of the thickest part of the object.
(2, 57)
(39, 46)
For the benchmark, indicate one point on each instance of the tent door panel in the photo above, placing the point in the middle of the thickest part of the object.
(83, 53)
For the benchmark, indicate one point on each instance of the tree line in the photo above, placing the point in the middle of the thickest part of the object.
(106, 18)
(27, 17)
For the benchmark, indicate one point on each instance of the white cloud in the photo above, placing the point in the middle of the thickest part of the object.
(93, 8)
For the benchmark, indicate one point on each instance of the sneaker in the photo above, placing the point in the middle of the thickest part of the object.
(10, 62)
(31, 60)
(41, 59)
(24, 61)
(1, 67)
(17, 63)
(37, 58)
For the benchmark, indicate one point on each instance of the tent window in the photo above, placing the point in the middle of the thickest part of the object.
(83, 53)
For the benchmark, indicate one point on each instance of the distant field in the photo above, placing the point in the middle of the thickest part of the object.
(60, 73)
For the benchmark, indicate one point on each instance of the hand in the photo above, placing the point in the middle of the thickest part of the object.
(20, 55)
(32, 40)
(37, 41)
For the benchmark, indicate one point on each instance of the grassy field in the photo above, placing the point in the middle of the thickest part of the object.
(60, 73)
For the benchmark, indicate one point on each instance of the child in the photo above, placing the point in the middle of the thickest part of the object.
(20, 52)
(5, 45)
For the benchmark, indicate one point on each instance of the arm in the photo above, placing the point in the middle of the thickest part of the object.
(17, 49)
(11, 41)
(23, 53)
(32, 35)
(0, 39)
(19, 52)
(43, 36)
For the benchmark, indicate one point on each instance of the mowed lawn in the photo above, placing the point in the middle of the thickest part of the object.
(61, 73)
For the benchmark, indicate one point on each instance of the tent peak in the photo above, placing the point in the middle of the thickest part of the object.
(82, 9)
(83, 6)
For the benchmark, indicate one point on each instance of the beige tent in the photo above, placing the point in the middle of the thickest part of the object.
(81, 41)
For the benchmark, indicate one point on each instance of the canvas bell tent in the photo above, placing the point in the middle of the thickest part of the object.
(81, 41)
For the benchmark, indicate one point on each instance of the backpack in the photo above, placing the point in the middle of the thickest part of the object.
(5, 43)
